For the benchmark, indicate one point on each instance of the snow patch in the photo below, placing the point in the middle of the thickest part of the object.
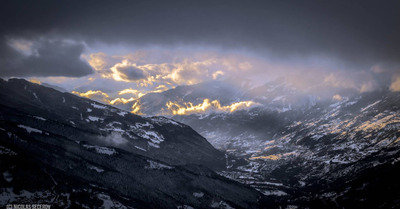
(101, 150)
(36, 97)
(97, 169)
(153, 145)
(220, 204)
(30, 129)
(6, 151)
(274, 193)
(140, 148)
(7, 196)
(163, 120)
(98, 106)
(369, 106)
(154, 137)
(198, 194)
(184, 207)
(156, 165)
(122, 113)
(7, 176)
(278, 98)
(39, 118)
(109, 203)
(94, 118)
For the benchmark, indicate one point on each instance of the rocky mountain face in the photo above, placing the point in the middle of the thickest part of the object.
(301, 150)
(68, 151)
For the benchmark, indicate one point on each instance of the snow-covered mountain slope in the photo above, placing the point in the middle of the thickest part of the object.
(242, 131)
(307, 151)
(328, 151)
(73, 152)
(63, 114)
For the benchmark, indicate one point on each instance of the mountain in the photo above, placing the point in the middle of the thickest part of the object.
(308, 151)
(64, 113)
(224, 126)
(342, 153)
(223, 91)
(69, 151)
(298, 150)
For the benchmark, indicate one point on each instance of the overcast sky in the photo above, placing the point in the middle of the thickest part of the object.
(155, 45)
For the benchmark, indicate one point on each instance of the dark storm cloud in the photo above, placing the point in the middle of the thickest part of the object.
(43, 58)
(361, 33)
(131, 73)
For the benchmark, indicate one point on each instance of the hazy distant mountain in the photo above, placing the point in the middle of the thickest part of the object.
(69, 151)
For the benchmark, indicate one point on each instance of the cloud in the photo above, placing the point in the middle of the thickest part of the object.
(178, 67)
(131, 73)
(361, 33)
(395, 85)
(42, 58)
(361, 81)
(121, 101)
(127, 72)
(337, 97)
(128, 91)
(317, 75)
(95, 95)
(188, 108)
(100, 61)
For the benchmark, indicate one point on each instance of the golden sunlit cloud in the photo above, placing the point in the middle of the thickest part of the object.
(395, 85)
(90, 93)
(128, 91)
(121, 101)
(177, 71)
(207, 105)
(118, 76)
(161, 87)
(136, 108)
(100, 61)
(96, 95)
(103, 97)
(139, 94)
(337, 97)
(216, 74)
(35, 81)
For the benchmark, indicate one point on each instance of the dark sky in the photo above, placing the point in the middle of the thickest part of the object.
(359, 34)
